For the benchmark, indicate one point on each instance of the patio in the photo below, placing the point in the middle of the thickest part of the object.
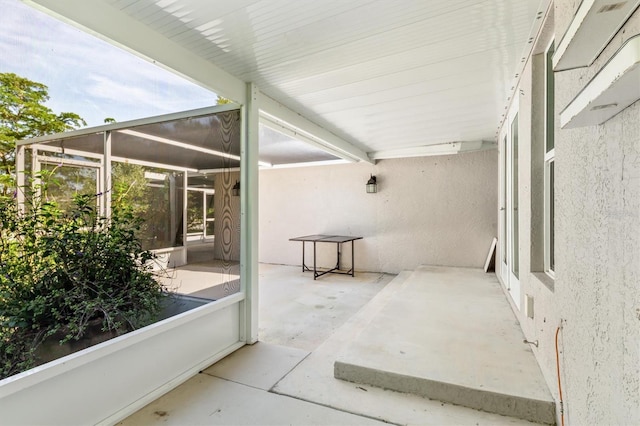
(305, 326)
(457, 108)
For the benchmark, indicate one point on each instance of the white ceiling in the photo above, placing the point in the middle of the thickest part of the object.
(381, 75)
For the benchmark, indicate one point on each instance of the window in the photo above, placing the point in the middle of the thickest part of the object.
(515, 190)
(549, 163)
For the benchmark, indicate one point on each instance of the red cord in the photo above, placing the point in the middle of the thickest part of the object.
(558, 371)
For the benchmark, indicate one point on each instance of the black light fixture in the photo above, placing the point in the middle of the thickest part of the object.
(235, 191)
(372, 186)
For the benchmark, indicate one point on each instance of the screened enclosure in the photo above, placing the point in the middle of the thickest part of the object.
(179, 173)
(175, 172)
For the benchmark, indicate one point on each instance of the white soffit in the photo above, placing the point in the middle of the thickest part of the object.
(614, 88)
(593, 26)
(374, 75)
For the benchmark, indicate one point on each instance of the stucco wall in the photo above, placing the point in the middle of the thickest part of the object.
(429, 210)
(598, 251)
(596, 291)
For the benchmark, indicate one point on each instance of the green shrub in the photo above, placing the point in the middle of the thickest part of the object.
(62, 270)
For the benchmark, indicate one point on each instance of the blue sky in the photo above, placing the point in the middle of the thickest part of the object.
(86, 75)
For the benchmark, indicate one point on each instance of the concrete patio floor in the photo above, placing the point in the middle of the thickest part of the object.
(448, 334)
(209, 279)
(288, 377)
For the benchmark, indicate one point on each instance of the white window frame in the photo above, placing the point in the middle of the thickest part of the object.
(549, 160)
(39, 160)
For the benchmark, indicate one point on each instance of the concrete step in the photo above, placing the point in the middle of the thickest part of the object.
(449, 334)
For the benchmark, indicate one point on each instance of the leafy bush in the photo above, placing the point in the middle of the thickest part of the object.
(62, 270)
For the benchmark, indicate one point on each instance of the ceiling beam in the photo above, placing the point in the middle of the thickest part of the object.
(431, 150)
(110, 24)
(273, 113)
(284, 129)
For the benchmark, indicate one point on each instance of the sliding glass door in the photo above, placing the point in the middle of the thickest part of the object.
(509, 223)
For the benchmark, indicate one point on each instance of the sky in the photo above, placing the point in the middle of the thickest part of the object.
(86, 75)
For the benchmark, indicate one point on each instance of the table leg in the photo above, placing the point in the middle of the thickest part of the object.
(353, 266)
(303, 256)
(338, 254)
(314, 261)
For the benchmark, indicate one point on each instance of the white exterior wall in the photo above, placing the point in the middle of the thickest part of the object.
(428, 210)
(596, 292)
(132, 370)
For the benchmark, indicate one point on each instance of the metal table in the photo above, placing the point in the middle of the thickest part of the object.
(338, 240)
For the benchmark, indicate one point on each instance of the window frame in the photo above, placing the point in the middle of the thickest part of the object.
(549, 162)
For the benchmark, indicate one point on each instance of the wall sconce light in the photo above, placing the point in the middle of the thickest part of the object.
(372, 186)
(235, 191)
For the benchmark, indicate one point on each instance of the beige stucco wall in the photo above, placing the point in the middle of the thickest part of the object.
(598, 251)
(429, 210)
(596, 292)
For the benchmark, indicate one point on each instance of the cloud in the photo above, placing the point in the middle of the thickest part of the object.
(87, 75)
(139, 94)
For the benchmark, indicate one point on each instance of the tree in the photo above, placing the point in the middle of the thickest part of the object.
(24, 115)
